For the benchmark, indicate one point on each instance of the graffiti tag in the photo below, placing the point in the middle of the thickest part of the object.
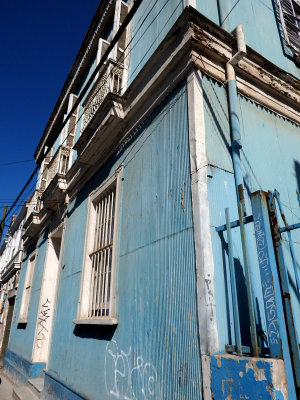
(267, 282)
(42, 321)
(129, 381)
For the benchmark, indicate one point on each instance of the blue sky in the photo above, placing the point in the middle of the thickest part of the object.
(39, 42)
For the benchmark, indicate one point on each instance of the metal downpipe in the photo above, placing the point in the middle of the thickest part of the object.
(236, 146)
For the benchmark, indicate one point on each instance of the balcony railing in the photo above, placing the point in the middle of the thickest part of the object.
(34, 204)
(58, 164)
(109, 81)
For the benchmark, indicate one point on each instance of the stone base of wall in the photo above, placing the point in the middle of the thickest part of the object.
(20, 370)
(235, 377)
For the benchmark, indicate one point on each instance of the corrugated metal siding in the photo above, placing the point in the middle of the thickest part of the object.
(222, 194)
(209, 9)
(150, 25)
(255, 16)
(155, 345)
(270, 159)
(89, 72)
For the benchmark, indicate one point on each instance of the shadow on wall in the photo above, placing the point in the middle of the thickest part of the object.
(243, 303)
(241, 295)
(93, 332)
(297, 172)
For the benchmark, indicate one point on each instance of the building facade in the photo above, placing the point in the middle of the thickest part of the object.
(11, 254)
(161, 244)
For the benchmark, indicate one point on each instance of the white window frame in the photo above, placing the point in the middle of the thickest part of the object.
(84, 299)
(287, 14)
(23, 315)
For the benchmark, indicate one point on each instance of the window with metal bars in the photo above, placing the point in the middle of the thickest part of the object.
(100, 293)
(289, 11)
(97, 304)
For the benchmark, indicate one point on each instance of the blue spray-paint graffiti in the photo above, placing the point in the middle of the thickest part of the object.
(267, 285)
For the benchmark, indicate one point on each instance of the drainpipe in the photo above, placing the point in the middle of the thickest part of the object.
(236, 146)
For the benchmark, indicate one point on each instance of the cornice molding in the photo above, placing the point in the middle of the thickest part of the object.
(193, 42)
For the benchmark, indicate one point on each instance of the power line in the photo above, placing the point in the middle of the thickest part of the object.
(98, 67)
(114, 41)
(15, 162)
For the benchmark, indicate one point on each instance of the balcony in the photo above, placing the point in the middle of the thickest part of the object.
(58, 164)
(32, 219)
(34, 203)
(56, 170)
(11, 267)
(102, 111)
(110, 81)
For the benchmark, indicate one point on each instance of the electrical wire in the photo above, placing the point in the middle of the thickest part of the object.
(114, 41)
(15, 162)
(97, 69)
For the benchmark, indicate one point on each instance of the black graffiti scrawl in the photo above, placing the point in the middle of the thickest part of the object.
(42, 320)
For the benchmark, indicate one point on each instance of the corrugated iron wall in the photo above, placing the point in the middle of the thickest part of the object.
(153, 353)
(269, 160)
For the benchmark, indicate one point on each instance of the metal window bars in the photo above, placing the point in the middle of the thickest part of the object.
(101, 257)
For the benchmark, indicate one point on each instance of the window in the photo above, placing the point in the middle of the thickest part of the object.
(27, 289)
(97, 298)
(289, 11)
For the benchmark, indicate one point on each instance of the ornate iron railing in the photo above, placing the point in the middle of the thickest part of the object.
(58, 164)
(109, 81)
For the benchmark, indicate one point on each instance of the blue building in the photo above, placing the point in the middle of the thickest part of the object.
(161, 253)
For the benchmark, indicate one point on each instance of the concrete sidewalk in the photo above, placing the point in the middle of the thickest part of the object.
(6, 388)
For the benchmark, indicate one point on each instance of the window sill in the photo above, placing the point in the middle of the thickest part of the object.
(96, 321)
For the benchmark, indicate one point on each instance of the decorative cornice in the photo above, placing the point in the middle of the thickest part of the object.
(193, 42)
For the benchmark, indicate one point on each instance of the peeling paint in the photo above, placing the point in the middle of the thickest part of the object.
(280, 380)
(259, 373)
(236, 378)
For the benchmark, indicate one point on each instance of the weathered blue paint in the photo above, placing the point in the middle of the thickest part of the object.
(156, 292)
(235, 304)
(285, 287)
(209, 9)
(276, 326)
(20, 369)
(241, 378)
(55, 388)
(235, 134)
(222, 194)
(276, 194)
(278, 395)
(255, 16)
(261, 129)
(267, 266)
(150, 25)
